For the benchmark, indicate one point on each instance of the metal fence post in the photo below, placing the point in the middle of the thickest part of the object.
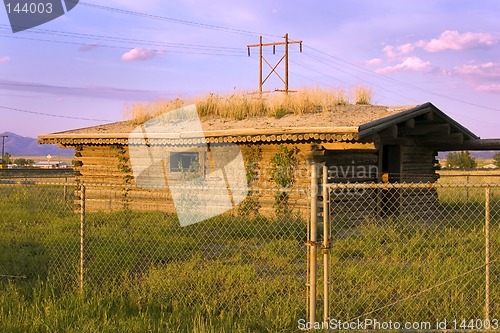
(65, 190)
(467, 188)
(312, 244)
(82, 236)
(326, 245)
(487, 251)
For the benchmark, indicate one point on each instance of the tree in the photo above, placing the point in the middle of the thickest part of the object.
(496, 159)
(6, 158)
(461, 160)
(24, 161)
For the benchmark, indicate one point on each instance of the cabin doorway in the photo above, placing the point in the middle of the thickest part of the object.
(391, 162)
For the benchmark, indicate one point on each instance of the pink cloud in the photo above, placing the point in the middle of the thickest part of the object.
(484, 77)
(486, 70)
(373, 62)
(405, 48)
(489, 88)
(389, 51)
(409, 64)
(394, 51)
(137, 54)
(4, 59)
(453, 40)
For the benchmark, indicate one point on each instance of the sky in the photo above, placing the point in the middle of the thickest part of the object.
(90, 65)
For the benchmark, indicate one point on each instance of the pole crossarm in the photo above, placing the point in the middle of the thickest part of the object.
(276, 43)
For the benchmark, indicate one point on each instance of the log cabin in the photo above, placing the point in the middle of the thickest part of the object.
(357, 143)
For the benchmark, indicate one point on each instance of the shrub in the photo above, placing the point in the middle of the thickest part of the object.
(284, 164)
(362, 95)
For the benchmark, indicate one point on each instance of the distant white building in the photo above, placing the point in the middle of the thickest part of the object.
(490, 166)
(51, 165)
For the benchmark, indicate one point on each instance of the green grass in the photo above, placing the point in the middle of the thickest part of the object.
(143, 272)
(408, 268)
(425, 272)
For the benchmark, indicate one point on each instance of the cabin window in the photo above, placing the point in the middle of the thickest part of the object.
(184, 162)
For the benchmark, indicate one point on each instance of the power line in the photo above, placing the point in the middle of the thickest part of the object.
(52, 115)
(405, 83)
(331, 86)
(127, 40)
(195, 48)
(243, 32)
(329, 76)
(178, 21)
(356, 77)
(127, 48)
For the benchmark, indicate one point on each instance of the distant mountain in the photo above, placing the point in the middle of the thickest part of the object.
(17, 145)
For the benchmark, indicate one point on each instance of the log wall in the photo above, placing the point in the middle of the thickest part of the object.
(107, 172)
(355, 206)
(418, 166)
(109, 166)
(352, 166)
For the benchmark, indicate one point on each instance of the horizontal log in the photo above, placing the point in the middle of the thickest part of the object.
(426, 129)
(479, 144)
(410, 123)
(348, 146)
(391, 132)
(417, 150)
(422, 159)
(437, 140)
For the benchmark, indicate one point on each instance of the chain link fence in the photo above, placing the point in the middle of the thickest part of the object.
(38, 232)
(392, 252)
(414, 254)
(237, 271)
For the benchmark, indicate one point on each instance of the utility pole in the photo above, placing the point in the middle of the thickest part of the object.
(3, 147)
(284, 58)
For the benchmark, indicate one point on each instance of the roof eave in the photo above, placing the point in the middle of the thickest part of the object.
(234, 135)
(378, 125)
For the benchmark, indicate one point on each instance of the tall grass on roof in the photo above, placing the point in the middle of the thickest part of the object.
(142, 112)
(362, 95)
(243, 105)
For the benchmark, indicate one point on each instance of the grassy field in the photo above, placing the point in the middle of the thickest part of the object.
(145, 273)
(405, 270)
(472, 176)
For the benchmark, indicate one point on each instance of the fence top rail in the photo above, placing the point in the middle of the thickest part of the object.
(14, 182)
(470, 173)
(71, 182)
(160, 187)
(409, 185)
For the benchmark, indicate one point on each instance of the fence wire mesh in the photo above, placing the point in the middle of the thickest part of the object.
(397, 252)
(38, 232)
(415, 253)
(237, 271)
